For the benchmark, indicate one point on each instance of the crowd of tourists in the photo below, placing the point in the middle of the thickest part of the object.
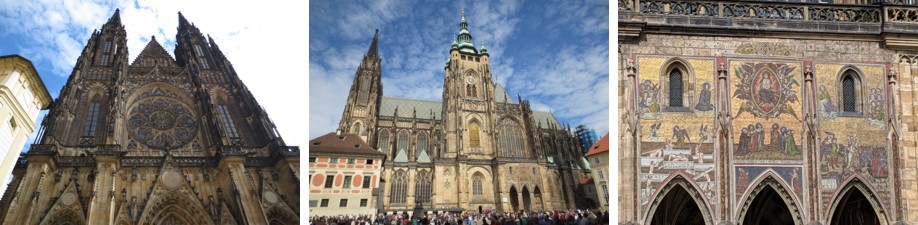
(549, 217)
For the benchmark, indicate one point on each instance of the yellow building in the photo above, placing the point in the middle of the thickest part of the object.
(599, 162)
(23, 96)
(343, 175)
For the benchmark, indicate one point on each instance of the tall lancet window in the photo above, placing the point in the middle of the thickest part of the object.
(849, 93)
(510, 139)
(675, 88)
(399, 192)
(476, 184)
(422, 187)
(197, 51)
(403, 141)
(382, 143)
(92, 119)
(474, 132)
(227, 120)
(363, 95)
(422, 144)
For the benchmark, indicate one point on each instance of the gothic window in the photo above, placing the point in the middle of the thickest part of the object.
(227, 120)
(197, 51)
(104, 61)
(510, 139)
(422, 144)
(357, 128)
(403, 141)
(92, 117)
(474, 134)
(849, 93)
(107, 46)
(675, 88)
(382, 143)
(399, 188)
(422, 187)
(362, 96)
(476, 184)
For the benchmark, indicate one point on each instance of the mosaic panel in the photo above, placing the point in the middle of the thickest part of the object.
(767, 111)
(674, 142)
(852, 145)
(792, 176)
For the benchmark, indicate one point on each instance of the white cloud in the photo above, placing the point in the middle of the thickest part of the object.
(265, 41)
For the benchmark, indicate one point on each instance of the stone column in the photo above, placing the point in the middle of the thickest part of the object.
(23, 209)
(251, 208)
(101, 208)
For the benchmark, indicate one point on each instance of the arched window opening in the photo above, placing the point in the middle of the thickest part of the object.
(675, 88)
(422, 144)
(422, 187)
(476, 184)
(511, 139)
(399, 192)
(402, 141)
(357, 129)
(382, 143)
(474, 135)
(92, 119)
(849, 93)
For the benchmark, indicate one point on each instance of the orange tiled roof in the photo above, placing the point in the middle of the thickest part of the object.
(345, 143)
(600, 146)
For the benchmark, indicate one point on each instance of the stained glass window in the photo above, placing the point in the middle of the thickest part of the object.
(92, 118)
(422, 187)
(227, 122)
(476, 184)
(675, 88)
(510, 141)
(474, 135)
(382, 143)
(399, 188)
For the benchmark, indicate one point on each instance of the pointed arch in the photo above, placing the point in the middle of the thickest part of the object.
(403, 142)
(851, 91)
(852, 195)
(510, 138)
(474, 133)
(364, 92)
(278, 215)
(399, 188)
(476, 183)
(422, 187)
(679, 90)
(382, 142)
(421, 145)
(678, 189)
(174, 207)
(357, 129)
(769, 186)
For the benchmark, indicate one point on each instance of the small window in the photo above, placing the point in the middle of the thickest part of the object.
(849, 91)
(312, 159)
(104, 61)
(351, 161)
(324, 203)
(369, 162)
(347, 181)
(366, 181)
(329, 180)
(596, 160)
(601, 176)
(343, 203)
(313, 203)
(363, 202)
(12, 124)
(675, 88)
(333, 160)
(107, 46)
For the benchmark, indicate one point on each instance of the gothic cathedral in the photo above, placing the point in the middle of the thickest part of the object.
(154, 141)
(477, 149)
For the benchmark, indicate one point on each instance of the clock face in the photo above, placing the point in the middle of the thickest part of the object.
(470, 79)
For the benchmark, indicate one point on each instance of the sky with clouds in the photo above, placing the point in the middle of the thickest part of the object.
(554, 53)
(265, 41)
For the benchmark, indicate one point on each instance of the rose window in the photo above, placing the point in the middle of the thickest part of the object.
(161, 123)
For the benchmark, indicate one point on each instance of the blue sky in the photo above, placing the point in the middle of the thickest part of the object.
(263, 40)
(554, 53)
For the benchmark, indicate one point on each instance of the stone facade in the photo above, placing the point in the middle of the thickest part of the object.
(739, 108)
(154, 141)
(23, 96)
(478, 148)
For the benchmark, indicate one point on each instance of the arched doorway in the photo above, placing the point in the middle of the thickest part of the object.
(514, 201)
(539, 205)
(677, 207)
(768, 208)
(526, 200)
(854, 208)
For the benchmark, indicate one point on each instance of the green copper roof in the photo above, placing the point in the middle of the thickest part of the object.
(501, 96)
(407, 108)
(547, 119)
(464, 38)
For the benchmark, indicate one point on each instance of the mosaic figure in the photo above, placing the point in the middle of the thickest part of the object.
(767, 89)
(826, 108)
(876, 113)
(704, 100)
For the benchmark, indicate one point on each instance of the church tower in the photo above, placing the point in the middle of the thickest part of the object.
(467, 89)
(360, 112)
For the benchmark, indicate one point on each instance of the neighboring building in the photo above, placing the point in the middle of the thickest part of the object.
(343, 172)
(768, 112)
(484, 150)
(23, 96)
(599, 162)
(155, 141)
(587, 137)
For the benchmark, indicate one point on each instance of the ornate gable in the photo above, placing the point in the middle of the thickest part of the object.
(154, 55)
(173, 200)
(67, 207)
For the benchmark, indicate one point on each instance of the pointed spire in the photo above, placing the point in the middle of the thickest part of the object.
(116, 17)
(374, 49)
(465, 38)
(182, 20)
